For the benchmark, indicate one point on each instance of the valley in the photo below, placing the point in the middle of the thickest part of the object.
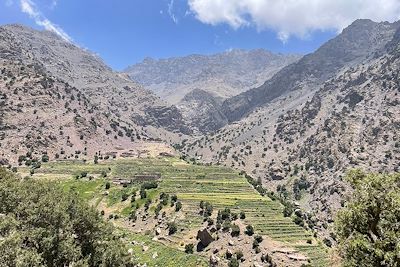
(240, 158)
(287, 243)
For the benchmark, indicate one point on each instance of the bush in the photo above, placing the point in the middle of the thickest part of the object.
(235, 230)
(255, 243)
(178, 206)
(124, 196)
(242, 215)
(149, 185)
(258, 238)
(226, 226)
(233, 263)
(108, 185)
(249, 230)
(45, 158)
(143, 193)
(172, 228)
(189, 248)
(239, 254)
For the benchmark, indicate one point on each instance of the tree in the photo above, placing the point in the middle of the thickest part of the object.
(42, 225)
(368, 227)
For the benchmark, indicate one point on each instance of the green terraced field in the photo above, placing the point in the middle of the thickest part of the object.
(221, 186)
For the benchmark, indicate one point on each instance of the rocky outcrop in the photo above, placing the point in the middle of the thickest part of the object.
(202, 111)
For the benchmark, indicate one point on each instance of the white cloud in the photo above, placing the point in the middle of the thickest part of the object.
(30, 8)
(171, 12)
(293, 17)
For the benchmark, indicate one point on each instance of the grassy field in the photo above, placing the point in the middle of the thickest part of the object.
(221, 186)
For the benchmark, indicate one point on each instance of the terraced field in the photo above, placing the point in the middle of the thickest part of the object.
(220, 186)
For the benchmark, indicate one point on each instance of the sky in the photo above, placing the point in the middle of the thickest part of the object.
(124, 32)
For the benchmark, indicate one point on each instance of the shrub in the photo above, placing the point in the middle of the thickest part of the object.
(172, 228)
(108, 185)
(249, 230)
(235, 230)
(143, 193)
(178, 206)
(189, 248)
(233, 263)
(124, 196)
(239, 254)
(258, 238)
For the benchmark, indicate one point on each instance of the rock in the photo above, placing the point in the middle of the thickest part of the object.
(215, 251)
(155, 255)
(214, 261)
(130, 251)
(155, 238)
(158, 231)
(256, 264)
(205, 237)
(145, 248)
(231, 243)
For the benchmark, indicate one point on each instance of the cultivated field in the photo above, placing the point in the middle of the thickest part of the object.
(221, 186)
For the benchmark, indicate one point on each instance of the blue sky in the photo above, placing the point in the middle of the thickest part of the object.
(124, 32)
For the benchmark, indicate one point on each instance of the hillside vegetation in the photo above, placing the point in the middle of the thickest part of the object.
(149, 208)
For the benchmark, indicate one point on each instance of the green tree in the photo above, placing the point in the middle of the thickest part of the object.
(42, 225)
(368, 228)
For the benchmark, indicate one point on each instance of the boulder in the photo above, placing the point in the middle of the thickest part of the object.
(205, 237)
(214, 261)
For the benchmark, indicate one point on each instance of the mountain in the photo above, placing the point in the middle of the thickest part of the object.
(202, 111)
(361, 39)
(308, 132)
(223, 75)
(50, 84)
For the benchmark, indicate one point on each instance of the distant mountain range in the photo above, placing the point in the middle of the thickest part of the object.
(222, 75)
(198, 84)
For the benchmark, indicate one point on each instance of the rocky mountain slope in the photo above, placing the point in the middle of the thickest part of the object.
(45, 78)
(223, 75)
(198, 84)
(354, 44)
(301, 142)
